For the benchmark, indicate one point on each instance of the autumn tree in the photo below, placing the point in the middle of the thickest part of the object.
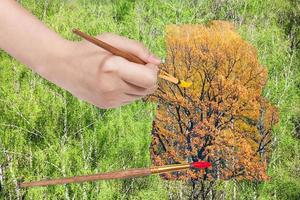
(222, 118)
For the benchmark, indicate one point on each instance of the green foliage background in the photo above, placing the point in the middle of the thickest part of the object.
(46, 132)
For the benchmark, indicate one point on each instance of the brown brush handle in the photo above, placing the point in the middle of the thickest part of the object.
(131, 173)
(109, 48)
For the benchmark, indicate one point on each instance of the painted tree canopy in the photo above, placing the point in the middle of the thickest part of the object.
(223, 117)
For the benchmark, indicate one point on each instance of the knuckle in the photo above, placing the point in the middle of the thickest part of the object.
(109, 69)
(110, 64)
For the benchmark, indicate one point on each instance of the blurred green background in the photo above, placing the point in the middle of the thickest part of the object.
(46, 132)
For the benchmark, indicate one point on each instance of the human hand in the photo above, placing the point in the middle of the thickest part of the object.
(100, 78)
(85, 70)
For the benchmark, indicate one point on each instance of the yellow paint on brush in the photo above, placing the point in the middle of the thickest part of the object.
(184, 84)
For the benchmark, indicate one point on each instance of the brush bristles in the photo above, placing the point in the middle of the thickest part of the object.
(201, 165)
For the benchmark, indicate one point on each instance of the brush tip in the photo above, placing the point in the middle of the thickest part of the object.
(201, 165)
(184, 84)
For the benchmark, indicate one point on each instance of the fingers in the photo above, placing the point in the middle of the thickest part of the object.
(144, 76)
(131, 46)
(135, 91)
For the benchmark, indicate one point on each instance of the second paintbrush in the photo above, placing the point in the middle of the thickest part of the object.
(129, 173)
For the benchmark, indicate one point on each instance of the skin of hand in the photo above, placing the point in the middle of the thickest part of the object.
(84, 69)
(100, 78)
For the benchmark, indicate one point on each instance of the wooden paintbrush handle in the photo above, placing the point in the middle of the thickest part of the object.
(131, 173)
(109, 48)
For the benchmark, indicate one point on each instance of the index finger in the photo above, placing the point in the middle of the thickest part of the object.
(144, 76)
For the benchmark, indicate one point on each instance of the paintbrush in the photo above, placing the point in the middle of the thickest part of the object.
(130, 173)
(130, 57)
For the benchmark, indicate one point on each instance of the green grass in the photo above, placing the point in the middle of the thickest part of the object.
(45, 132)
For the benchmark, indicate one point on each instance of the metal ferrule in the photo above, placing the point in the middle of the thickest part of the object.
(169, 168)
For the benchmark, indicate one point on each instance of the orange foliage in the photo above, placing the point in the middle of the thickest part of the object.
(222, 118)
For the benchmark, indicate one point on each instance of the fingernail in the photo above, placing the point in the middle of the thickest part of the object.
(153, 59)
